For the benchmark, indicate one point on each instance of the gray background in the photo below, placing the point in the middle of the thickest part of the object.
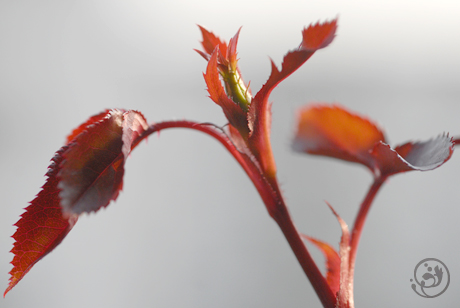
(189, 229)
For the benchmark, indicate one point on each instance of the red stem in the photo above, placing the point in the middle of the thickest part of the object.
(271, 195)
(359, 224)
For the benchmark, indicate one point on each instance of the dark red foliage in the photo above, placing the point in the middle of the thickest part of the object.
(85, 175)
(41, 227)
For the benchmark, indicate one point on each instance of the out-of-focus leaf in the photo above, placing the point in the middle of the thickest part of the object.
(41, 227)
(422, 156)
(332, 263)
(91, 174)
(427, 155)
(333, 131)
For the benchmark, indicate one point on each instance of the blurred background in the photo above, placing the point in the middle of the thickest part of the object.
(189, 229)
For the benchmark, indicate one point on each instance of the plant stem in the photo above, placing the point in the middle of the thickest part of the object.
(271, 195)
(359, 224)
(287, 226)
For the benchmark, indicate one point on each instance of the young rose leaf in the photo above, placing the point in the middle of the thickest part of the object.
(259, 115)
(427, 155)
(333, 131)
(110, 134)
(91, 174)
(314, 37)
(234, 113)
(41, 227)
(209, 43)
(332, 263)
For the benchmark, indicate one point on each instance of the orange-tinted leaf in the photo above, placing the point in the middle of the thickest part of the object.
(318, 36)
(41, 227)
(259, 115)
(332, 263)
(333, 131)
(209, 43)
(91, 174)
(313, 38)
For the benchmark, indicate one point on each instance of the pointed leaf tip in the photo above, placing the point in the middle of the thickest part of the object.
(41, 227)
(209, 43)
(95, 155)
(319, 35)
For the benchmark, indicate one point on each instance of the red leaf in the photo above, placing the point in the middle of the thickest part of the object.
(209, 43)
(313, 38)
(318, 36)
(332, 263)
(259, 115)
(333, 131)
(84, 175)
(94, 119)
(91, 174)
(41, 228)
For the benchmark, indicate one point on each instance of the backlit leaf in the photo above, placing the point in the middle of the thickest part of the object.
(331, 130)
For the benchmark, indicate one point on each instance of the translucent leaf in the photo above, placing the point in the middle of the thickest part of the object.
(331, 130)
